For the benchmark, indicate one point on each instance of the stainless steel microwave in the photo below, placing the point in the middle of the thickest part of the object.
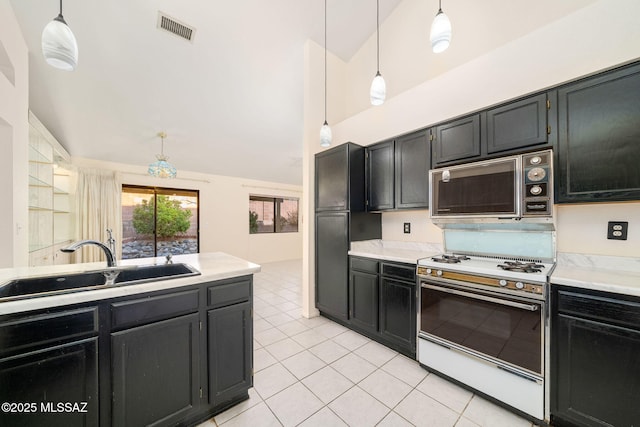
(508, 188)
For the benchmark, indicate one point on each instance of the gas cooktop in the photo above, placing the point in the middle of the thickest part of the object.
(514, 269)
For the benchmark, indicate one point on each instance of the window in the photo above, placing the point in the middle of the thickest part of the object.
(159, 221)
(272, 215)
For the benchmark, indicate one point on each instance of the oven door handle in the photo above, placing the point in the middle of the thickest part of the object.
(529, 307)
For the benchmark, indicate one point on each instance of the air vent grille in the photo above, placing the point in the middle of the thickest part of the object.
(175, 27)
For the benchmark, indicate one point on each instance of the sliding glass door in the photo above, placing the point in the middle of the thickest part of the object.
(159, 221)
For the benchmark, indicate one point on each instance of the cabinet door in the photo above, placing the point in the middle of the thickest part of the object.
(332, 179)
(380, 173)
(332, 270)
(413, 161)
(597, 373)
(517, 125)
(155, 372)
(457, 140)
(229, 331)
(47, 377)
(363, 300)
(599, 138)
(398, 313)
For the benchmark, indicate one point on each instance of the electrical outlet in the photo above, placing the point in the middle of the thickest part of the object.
(407, 228)
(617, 230)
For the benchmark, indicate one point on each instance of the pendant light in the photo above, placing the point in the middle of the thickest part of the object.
(378, 91)
(59, 45)
(325, 130)
(162, 168)
(440, 31)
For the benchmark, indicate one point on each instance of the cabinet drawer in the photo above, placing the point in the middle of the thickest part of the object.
(615, 311)
(404, 272)
(31, 332)
(230, 292)
(153, 308)
(364, 264)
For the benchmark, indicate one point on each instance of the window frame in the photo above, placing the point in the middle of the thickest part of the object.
(165, 191)
(277, 201)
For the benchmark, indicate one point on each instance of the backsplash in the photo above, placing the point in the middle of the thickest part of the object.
(580, 228)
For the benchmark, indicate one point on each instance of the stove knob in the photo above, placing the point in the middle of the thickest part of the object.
(535, 190)
(502, 282)
(519, 285)
(439, 272)
(428, 271)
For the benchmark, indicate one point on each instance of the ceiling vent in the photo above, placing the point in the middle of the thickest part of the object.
(167, 23)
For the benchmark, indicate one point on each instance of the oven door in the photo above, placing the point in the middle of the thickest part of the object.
(491, 343)
(505, 330)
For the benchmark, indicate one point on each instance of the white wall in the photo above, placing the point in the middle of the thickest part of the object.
(597, 36)
(14, 140)
(224, 210)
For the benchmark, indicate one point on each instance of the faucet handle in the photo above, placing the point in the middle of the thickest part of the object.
(169, 261)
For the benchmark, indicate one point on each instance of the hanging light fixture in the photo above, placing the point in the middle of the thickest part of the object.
(325, 130)
(59, 45)
(440, 31)
(378, 91)
(161, 168)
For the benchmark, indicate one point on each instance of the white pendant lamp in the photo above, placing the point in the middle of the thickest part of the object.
(59, 45)
(440, 31)
(378, 91)
(325, 130)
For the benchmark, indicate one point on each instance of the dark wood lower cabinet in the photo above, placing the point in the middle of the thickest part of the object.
(363, 300)
(165, 358)
(382, 302)
(595, 363)
(36, 384)
(155, 373)
(230, 342)
(398, 312)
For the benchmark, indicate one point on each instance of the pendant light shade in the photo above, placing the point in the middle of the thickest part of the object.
(59, 45)
(325, 135)
(378, 91)
(161, 168)
(325, 130)
(440, 32)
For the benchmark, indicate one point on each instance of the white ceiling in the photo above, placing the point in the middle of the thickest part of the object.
(230, 102)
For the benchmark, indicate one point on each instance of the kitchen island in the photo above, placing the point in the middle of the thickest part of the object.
(165, 352)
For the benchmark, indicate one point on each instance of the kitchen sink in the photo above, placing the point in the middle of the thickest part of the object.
(109, 277)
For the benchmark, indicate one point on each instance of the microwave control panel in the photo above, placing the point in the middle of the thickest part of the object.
(538, 184)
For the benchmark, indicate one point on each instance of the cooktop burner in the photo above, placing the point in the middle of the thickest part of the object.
(521, 267)
(450, 259)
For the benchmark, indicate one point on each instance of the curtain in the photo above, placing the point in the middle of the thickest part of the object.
(98, 206)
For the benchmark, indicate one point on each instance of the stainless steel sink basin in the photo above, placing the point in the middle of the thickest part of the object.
(64, 283)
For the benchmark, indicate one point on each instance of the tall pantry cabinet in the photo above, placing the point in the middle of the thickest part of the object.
(340, 218)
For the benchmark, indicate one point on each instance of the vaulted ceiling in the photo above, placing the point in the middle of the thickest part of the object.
(230, 100)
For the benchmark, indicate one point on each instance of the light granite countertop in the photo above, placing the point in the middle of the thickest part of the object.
(212, 266)
(406, 252)
(615, 274)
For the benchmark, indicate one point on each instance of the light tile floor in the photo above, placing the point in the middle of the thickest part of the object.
(316, 373)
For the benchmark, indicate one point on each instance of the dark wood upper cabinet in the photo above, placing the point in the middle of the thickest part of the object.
(413, 161)
(598, 150)
(380, 176)
(339, 179)
(519, 124)
(456, 140)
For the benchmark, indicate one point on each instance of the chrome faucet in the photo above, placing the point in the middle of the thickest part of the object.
(111, 260)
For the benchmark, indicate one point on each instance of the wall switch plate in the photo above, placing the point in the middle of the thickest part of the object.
(407, 227)
(617, 230)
